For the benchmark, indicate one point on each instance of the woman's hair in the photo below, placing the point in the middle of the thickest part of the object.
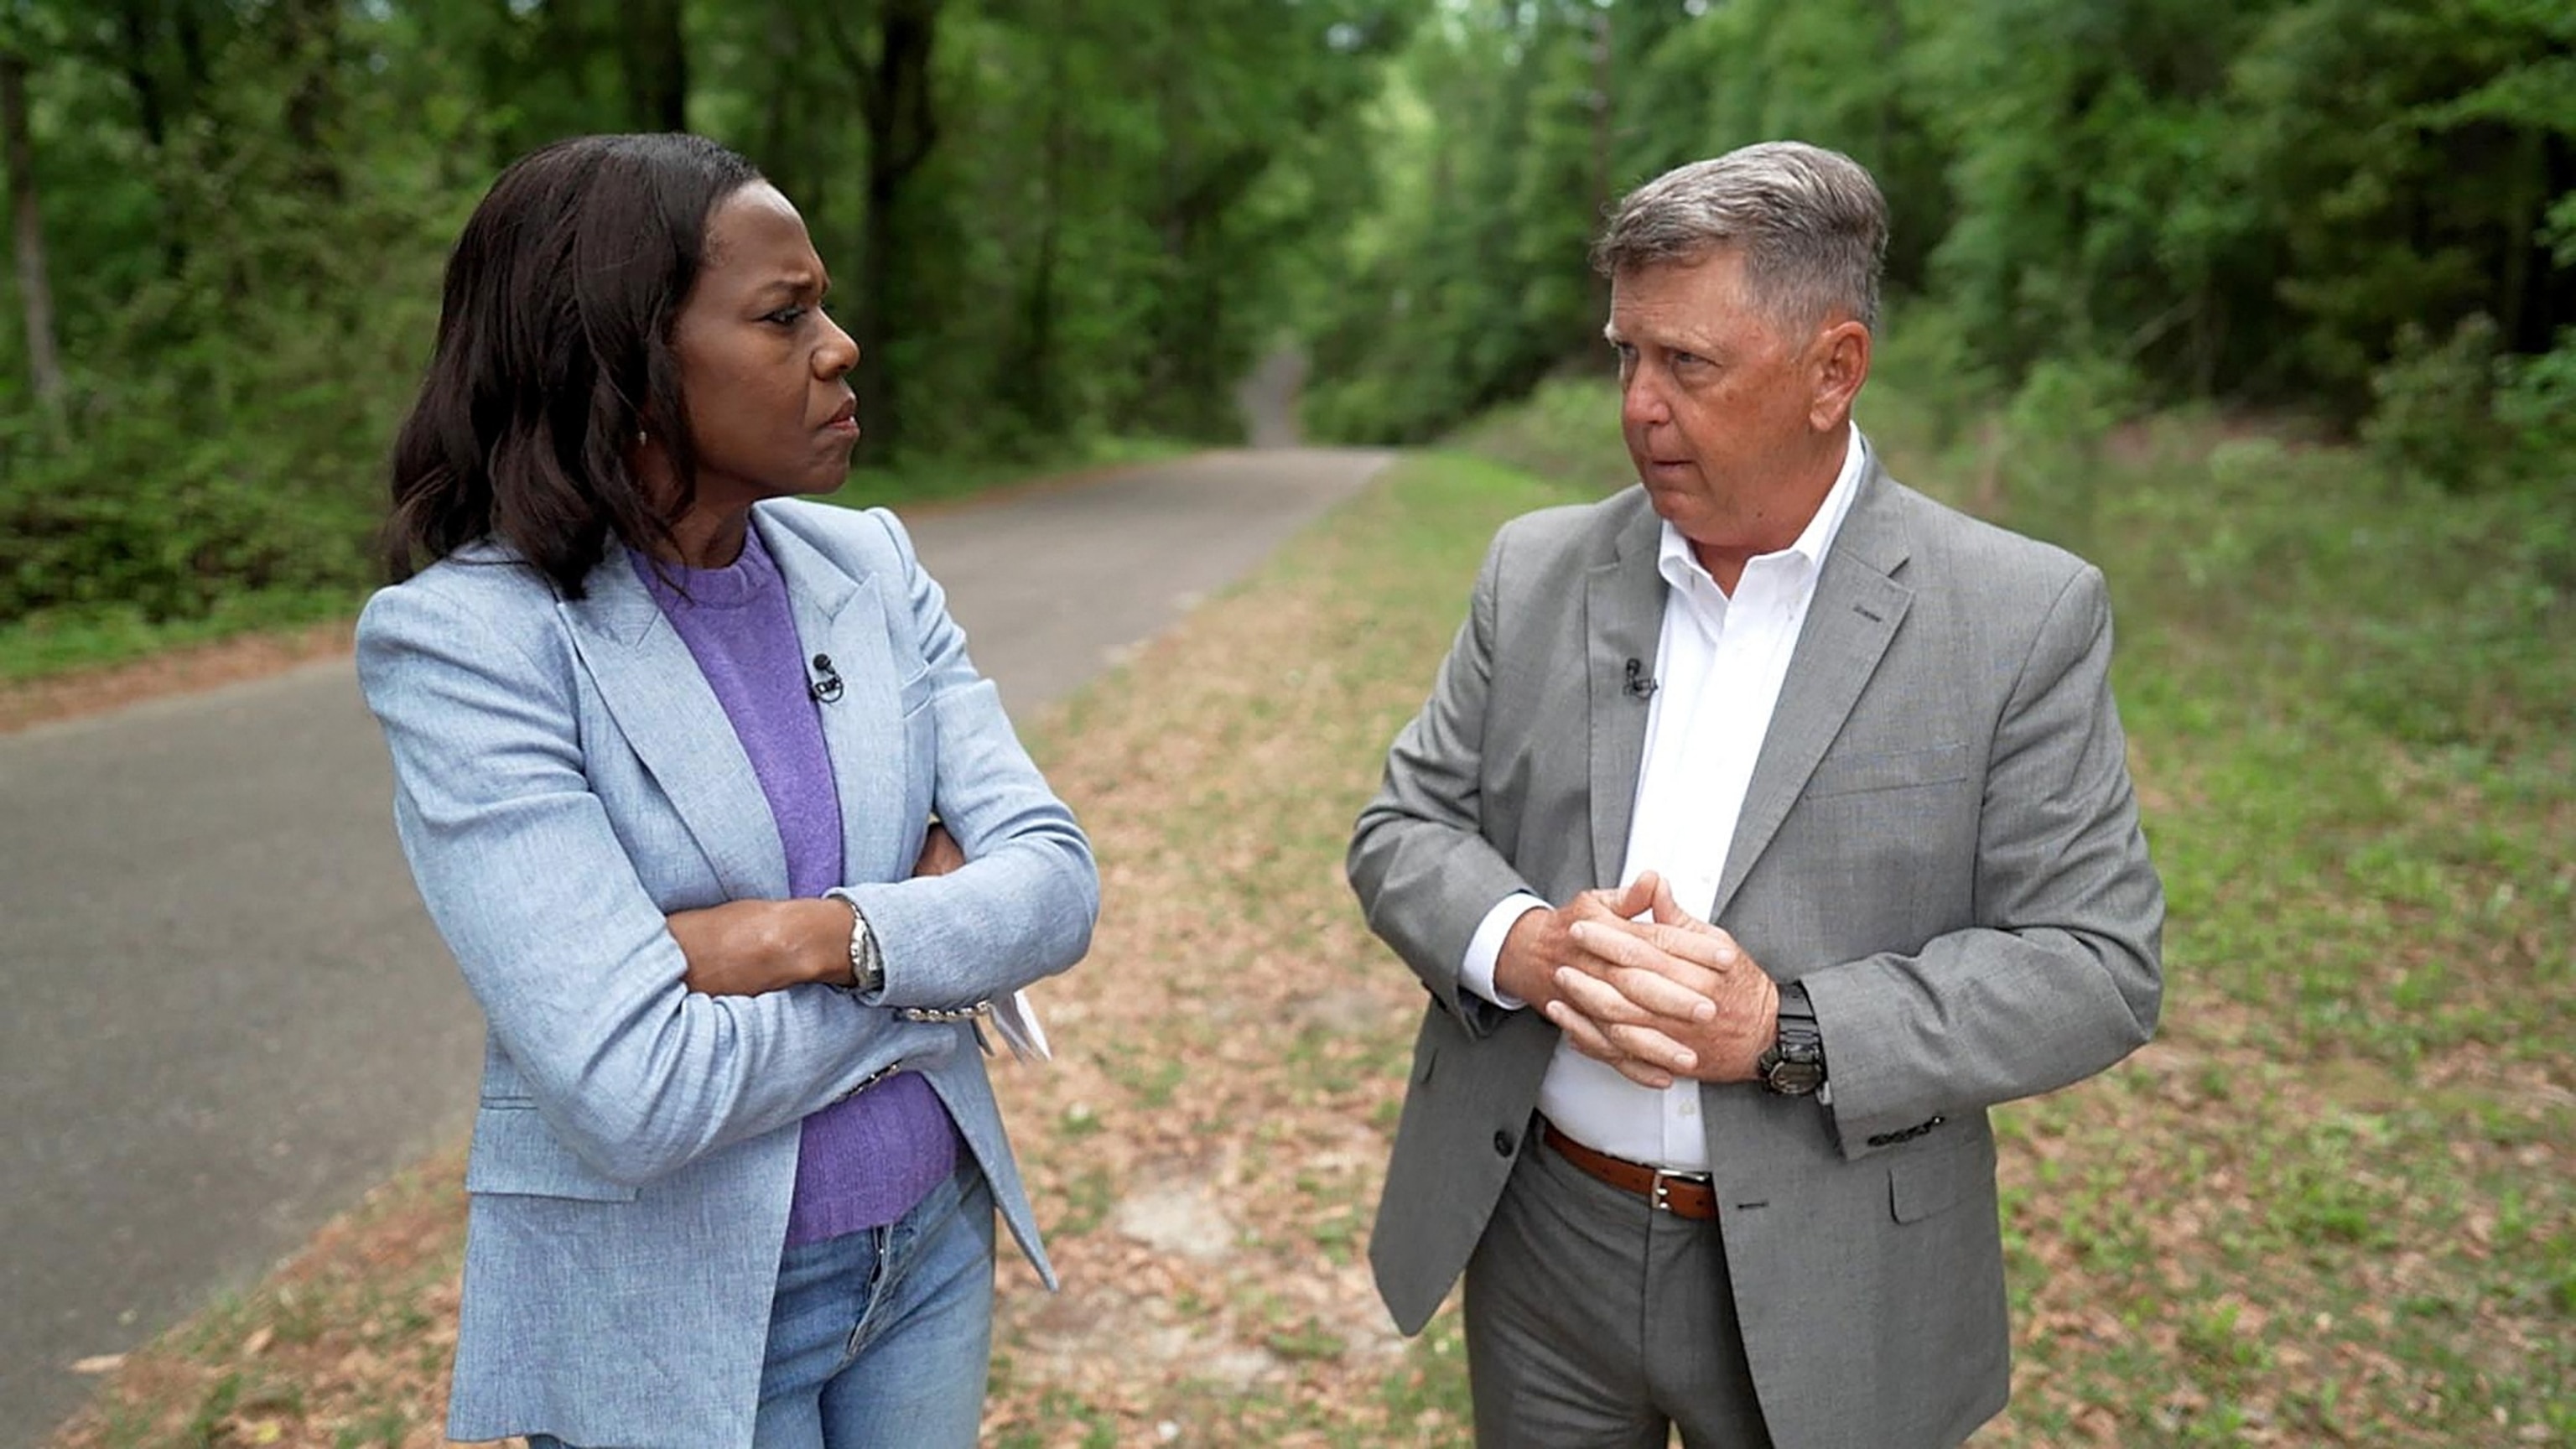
(554, 352)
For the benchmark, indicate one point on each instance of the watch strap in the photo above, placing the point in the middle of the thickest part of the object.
(1795, 1004)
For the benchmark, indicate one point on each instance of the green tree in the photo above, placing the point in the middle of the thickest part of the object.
(2249, 201)
(1048, 218)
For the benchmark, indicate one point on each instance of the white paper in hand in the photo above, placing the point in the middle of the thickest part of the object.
(1016, 1018)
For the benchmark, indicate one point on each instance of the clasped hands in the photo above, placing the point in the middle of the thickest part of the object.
(1659, 999)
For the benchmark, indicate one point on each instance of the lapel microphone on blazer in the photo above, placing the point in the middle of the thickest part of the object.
(826, 684)
(1640, 685)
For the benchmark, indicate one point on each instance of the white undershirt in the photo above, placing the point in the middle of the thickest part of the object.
(1719, 664)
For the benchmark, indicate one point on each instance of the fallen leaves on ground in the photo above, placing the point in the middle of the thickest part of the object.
(2233, 1238)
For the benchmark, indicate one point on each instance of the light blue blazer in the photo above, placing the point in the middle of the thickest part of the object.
(564, 777)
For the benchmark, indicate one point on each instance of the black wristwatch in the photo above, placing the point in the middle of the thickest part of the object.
(1794, 1066)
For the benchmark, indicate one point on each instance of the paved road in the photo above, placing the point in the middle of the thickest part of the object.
(225, 1015)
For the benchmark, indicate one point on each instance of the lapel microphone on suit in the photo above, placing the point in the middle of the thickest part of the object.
(1641, 685)
(826, 683)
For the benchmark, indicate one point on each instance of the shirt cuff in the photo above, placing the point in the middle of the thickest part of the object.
(1476, 973)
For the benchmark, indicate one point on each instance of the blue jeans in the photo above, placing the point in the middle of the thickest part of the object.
(880, 1339)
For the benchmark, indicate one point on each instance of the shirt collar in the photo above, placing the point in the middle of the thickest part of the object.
(1675, 561)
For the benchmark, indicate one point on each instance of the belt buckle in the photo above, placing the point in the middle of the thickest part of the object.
(1662, 1195)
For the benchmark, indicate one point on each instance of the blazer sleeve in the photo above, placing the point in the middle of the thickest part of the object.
(2061, 976)
(1419, 861)
(530, 885)
(1023, 905)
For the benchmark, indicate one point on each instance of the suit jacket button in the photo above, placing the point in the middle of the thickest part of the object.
(1503, 1144)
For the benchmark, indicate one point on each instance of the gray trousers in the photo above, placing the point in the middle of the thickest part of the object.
(1596, 1322)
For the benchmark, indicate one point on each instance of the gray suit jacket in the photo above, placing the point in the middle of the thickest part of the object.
(1939, 840)
(564, 776)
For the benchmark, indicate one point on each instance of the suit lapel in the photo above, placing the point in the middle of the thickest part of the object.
(676, 726)
(1623, 616)
(837, 615)
(1857, 607)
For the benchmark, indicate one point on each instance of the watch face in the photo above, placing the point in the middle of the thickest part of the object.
(1797, 1079)
(1791, 1075)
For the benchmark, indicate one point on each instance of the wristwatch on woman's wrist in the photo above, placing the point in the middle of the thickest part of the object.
(867, 962)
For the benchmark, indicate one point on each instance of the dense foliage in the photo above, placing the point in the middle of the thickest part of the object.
(2340, 205)
(1053, 221)
(1047, 220)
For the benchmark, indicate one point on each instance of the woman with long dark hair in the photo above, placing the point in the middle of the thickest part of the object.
(732, 843)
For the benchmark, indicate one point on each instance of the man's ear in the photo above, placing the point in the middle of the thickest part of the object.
(1841, 366)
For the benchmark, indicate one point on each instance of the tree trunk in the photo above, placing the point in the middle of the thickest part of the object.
(308, 44)
(895, 105)
(2526, 200)
(192, 50)
(135, 28)
(656, 57)
(1032, 379)
(1604, 113)
(785, 41)
(35, 290)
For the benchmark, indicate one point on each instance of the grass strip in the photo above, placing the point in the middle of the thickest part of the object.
(86, 640)
(2333, 1204)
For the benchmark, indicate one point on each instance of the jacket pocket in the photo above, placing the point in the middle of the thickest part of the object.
(1898, 770)
(1924, 1181)
(516, 1152)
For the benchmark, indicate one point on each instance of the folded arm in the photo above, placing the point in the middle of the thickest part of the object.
(1023, 904)
(745, 948)
(577, 972)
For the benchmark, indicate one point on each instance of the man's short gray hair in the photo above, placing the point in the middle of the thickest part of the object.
(1811, 223)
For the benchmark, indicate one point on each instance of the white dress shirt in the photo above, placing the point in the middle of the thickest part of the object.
(1719, 664)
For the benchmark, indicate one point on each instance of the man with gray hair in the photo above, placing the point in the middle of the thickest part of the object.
(1767, 823)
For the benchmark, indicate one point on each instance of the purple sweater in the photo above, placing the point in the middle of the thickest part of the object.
(863, 1162)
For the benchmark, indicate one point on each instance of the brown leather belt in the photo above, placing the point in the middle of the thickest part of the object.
(1683, 1194)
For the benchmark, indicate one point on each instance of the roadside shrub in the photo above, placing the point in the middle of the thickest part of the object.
(1929, 352)
(2051, 445)
(170, 546)
(1567, 428)
(2535, 404)
(2433, 417)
